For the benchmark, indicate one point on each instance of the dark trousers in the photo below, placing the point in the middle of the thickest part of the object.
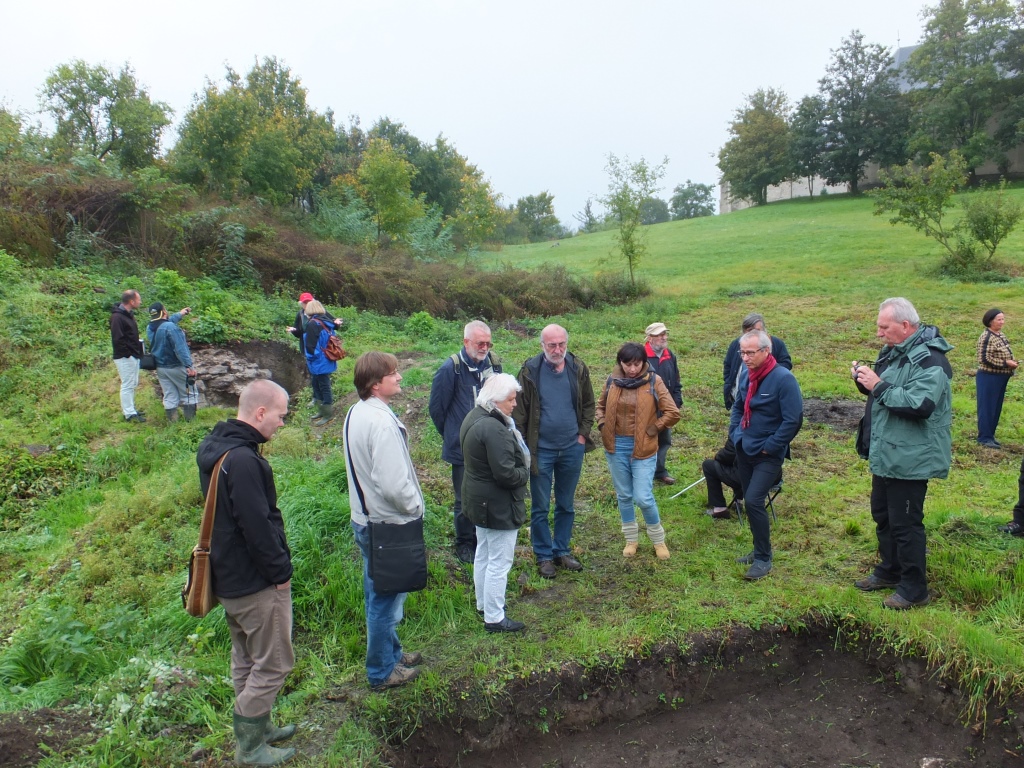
(465, 531)
(897, 507)
(664, 443)
(716, 473)
(991, 389)
(1018, 509)
(321, 383)
(757, 475)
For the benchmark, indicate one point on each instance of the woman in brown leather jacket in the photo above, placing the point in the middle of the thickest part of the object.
(634, 407)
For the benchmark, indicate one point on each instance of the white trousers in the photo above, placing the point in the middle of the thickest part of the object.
(495, 551)
(128, 370)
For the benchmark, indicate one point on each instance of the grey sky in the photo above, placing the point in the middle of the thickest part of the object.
(534, 93)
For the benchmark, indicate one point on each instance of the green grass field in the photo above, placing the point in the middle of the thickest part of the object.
(91, 615)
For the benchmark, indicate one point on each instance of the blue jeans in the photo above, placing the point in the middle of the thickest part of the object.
(758, 474)
(634, 482)
(383, 612)
(562, 468)
(321, 383)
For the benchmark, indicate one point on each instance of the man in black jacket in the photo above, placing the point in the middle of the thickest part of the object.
(252, 568)
(124, 335)
(664, 363)
(732, 365)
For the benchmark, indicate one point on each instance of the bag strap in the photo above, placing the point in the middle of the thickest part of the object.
(210, 510)
(352, 466)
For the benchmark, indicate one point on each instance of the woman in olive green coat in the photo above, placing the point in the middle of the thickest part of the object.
(494, 493)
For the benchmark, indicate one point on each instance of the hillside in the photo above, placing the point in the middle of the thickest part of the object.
(96, 530)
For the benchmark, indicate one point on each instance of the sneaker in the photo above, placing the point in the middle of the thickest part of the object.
(546, 569)
(898, 602)
(505, 625)
(758, 570)
(1013, 528)
(411, 659)
(569, 563)
(400, 675)
(466, 553)
(872, 583)
(989, 444)
(136, 417)
(747, 559)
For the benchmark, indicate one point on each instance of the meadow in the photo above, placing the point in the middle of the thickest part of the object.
(97, 530)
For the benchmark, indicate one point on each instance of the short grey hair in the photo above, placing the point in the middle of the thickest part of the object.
(553, 327)
(497, 389)
(764, 341)
(902, 310)
(753, 319)
(474, 325)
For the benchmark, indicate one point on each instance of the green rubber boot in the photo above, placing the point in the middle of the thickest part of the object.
(324, 416)
(189, 412)
(275, 735)
(172, 414)
(252, 749)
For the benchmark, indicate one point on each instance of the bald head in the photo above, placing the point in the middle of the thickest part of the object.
(263, 406)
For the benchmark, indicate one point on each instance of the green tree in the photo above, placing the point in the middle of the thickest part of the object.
(587, 220)
(958, 83)
(921, 197)
(385, 180)
(692, 200)
(537, 215)
(258, 136)
(758, 154)
(991, 216)
(654, 210)
(807, 139)
(478, 214)
(629, 185)
(864, 116)
(101, 113)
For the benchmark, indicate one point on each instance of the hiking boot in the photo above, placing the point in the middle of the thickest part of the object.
(411, 659)
(630, 549)
(872, 583)
(505, 625)
(1013, 528)
(569, 563)
(747, 559)
(252, 747)
(661, 551)
(758, 570)
(898, 602)
(136, 417)
(466, 553)
(172, 414)
(546, 569)
(400, 675)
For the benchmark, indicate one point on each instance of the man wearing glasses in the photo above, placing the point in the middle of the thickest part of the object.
(732, 366)
(452, 396)
(766, 416)
(555, 413)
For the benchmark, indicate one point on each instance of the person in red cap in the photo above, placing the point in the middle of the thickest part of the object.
(299, 329)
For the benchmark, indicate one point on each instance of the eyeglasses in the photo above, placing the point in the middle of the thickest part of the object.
(744, 353)
(482, 344)
(555, 344)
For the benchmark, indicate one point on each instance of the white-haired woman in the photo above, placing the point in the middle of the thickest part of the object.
(494, 493)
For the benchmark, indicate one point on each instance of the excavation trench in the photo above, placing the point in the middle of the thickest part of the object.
(742, 698)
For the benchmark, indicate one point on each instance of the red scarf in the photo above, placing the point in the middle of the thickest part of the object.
(756, 377)
(650, 352)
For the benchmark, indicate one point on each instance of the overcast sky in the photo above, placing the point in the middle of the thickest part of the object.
(536, 94)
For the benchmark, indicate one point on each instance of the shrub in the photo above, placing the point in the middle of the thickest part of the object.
(420, 326)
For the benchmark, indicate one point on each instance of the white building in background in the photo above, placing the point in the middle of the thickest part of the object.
(788, 190)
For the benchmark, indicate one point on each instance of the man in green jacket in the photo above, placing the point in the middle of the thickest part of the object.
(905, 435)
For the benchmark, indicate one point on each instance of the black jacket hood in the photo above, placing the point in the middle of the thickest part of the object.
(225, 436)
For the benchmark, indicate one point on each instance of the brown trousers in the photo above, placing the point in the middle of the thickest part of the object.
(261, 647)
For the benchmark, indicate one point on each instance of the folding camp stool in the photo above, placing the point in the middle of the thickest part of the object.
(769, 501)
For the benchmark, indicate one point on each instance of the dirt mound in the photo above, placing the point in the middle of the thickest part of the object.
(27, 737)
(838, 414)
(741, 699)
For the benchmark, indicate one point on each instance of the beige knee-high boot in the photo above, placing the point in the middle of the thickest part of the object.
(632, 533)
(656, 533)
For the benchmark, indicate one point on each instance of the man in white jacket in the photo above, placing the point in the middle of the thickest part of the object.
(377, 458)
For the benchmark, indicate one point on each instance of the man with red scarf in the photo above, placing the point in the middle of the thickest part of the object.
(766, 416)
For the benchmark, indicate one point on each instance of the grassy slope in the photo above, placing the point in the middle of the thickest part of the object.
(817, 270)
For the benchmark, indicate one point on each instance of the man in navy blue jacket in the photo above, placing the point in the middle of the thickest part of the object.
(766, 416)
(452, 396)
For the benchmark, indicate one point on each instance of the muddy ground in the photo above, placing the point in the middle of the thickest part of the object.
(28, 737)
(746, 699)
